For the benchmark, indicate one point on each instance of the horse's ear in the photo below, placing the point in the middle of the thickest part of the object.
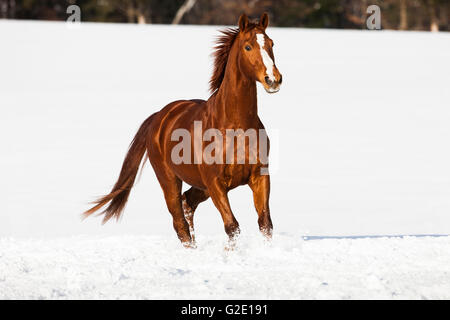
(243, 22)
(264, 20)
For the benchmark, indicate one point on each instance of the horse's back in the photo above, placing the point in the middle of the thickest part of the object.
(176, 117)
(177, 111)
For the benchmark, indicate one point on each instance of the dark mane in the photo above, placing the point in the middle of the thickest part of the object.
(221, 51)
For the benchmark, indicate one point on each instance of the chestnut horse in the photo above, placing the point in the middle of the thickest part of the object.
(242, 56)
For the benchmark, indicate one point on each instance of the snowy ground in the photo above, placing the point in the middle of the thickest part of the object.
(362, 149)
(150, 267)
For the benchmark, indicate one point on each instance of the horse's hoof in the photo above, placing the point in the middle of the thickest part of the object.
(267, 233)
(230, 247)
(189, 245)
(232, 243)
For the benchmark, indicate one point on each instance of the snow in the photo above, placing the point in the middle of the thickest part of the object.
(359, 134)
(154, 267)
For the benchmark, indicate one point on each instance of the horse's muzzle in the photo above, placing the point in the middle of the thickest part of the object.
(273, 86)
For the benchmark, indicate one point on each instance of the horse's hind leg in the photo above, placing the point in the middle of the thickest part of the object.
(171, 187)
(190, 200)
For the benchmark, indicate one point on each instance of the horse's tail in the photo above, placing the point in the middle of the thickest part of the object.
(118, 196)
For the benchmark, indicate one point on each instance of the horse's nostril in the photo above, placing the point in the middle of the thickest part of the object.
(268, 81)
(281, 79)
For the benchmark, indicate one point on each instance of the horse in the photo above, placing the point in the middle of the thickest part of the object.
(243, 55)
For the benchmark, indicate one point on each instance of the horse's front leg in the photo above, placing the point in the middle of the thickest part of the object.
(260, 185)
(219, 196)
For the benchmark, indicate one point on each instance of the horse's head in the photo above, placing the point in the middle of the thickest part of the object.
(256, 55)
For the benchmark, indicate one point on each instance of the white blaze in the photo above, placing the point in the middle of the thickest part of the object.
(267, 60)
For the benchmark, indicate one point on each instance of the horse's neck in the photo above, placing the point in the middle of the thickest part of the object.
(235, 104)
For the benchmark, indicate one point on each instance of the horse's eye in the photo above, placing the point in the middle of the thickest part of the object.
(248, 48)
